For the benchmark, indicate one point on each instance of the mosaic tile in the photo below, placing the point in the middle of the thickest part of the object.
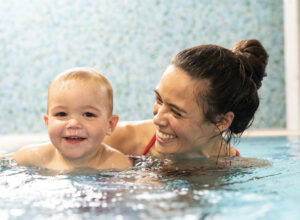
(131, 42)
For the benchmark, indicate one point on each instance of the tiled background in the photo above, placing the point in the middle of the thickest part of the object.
(131, 42)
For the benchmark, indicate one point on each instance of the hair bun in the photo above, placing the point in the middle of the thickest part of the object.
(255, 59)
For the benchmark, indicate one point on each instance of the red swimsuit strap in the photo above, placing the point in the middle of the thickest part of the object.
(149, 144)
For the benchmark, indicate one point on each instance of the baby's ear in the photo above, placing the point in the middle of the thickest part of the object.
(46, 119)
(224, 121)
(112, 123)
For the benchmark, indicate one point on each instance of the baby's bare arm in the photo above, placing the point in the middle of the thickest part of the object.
(21, 156)
(33, 155)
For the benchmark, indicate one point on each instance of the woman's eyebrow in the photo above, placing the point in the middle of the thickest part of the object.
(170, 104)
(177, 108)
(156, 93)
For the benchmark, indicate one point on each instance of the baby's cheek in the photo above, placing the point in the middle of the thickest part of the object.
(98, 132)
(54, 128)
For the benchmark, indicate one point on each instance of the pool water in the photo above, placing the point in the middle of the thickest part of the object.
(149, 192)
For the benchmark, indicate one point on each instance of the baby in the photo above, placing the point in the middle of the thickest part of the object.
(79, 116)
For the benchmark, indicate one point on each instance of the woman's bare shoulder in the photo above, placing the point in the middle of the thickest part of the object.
(129, 137)
(141, 124)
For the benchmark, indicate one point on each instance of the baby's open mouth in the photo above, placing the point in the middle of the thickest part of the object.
(74, 139)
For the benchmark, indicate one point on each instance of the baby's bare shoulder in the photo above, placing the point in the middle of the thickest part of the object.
(114, 159)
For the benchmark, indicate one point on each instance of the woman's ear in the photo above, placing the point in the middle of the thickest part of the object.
(224, 121)
(112, 123)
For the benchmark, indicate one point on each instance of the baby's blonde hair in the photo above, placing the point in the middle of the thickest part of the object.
(85, 74)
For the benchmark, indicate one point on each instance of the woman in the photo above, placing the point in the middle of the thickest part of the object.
(207, 95)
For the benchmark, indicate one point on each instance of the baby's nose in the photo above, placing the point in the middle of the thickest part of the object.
(73, 123)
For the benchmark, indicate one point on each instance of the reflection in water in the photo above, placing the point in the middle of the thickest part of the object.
(152, 189)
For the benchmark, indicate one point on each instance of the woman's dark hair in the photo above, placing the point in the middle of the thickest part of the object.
(232, 77)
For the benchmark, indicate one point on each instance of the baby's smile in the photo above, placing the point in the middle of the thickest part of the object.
(74, 139)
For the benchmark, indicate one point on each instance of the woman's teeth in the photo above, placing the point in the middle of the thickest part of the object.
(165, 136)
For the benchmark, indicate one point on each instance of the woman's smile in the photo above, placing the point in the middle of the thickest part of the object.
(165, 138)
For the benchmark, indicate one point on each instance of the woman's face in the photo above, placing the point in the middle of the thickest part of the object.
(181, 125)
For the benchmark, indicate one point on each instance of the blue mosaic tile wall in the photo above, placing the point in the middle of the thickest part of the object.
(131, 42)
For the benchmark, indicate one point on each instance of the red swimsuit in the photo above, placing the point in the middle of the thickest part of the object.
(150, 144)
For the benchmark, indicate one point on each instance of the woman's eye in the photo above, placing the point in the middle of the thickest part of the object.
(158, 100)
(60, 114)
(89, 114)
(177, 114)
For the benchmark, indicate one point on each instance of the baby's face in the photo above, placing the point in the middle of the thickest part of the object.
(78, 118)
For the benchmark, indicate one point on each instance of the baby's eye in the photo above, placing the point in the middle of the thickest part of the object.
(89, 114)
(60, 114)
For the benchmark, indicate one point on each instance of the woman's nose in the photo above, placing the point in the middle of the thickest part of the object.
(160, 115)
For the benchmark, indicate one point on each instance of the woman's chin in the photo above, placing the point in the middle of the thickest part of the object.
(166, 147)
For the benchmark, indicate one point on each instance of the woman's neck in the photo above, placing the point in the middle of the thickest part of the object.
(214, 147)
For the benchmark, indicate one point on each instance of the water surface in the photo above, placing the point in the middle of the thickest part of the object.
(149, 191)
